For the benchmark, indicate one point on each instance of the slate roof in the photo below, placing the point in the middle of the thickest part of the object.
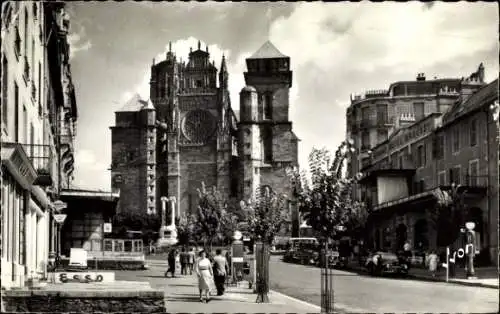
(267, 51)
(134, 104)
(475, 101)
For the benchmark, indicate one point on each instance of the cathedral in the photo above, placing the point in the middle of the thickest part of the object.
(188, 133)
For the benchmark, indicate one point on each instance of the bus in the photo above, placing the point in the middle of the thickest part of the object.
(302, 250)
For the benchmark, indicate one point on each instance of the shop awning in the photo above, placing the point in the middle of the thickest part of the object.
(16, 161)
(409, 200)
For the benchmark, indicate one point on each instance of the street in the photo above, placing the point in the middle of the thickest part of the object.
(353, 292)
(362, 293)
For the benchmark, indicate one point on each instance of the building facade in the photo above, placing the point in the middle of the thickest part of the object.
(373, 117)
(457, 147)
(38, 123)
(198, 136)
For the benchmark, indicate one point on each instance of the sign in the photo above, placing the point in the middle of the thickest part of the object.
(59, 205)
(78, 257)
(107, 227)
(82, 277)
(59, 218)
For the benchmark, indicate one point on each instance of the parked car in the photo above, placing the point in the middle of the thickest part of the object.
(380, 263)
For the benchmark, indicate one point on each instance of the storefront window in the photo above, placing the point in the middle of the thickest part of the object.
(128, 246)
(108, 245)
(118, 246)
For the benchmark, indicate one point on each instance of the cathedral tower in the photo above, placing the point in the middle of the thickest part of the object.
(266, 120)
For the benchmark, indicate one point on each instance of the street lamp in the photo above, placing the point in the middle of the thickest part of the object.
(470, 249)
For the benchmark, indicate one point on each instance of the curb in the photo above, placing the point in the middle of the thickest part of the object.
(430, 279)
(338, 307)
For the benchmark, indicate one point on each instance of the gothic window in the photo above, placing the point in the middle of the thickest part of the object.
(199, 83)
(198, 126)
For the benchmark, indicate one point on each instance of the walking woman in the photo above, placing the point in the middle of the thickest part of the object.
(205, 276)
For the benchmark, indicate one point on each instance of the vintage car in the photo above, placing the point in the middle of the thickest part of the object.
(380, 263)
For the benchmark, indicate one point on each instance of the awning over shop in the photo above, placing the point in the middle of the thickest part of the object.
(407, 201)
(14, 158)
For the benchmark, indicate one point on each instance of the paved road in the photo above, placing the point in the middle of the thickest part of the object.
(181, 294)
(362, 293)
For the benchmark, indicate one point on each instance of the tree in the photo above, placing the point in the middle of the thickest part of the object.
(209, 215)
(447, 216)
(148, 224)
(264, 219)
(326, 202)
(187, 229)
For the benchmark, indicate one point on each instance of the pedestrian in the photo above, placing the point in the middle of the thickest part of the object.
(205, 276)
(433, 262)
(191, 258)
(184, 261)
(220, 270)
(171, 263)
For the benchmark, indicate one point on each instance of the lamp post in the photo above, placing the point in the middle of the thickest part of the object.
(470, 249)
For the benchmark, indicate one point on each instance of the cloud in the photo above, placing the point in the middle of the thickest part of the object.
(90, 171)
(77, 42)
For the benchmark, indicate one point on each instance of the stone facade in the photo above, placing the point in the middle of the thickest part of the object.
(199, 138)
(84, 301)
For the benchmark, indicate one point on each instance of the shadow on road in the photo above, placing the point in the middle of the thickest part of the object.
(183, 297)
(182, 285)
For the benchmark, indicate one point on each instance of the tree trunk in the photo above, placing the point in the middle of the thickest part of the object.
(262, 259)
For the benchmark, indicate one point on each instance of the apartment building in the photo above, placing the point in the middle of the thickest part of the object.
(458, 147)
(38, 116)
(375, 115)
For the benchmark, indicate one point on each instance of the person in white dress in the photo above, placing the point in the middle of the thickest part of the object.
(205, 276)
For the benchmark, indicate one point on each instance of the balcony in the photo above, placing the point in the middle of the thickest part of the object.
(41, 158)
(472, 185)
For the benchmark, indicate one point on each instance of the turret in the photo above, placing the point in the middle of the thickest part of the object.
(248, 104)
(223, 74)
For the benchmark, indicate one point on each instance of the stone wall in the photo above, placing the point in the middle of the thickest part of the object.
(83, 301)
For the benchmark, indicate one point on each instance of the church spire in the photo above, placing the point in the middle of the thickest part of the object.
(223, 74)
(199, 45)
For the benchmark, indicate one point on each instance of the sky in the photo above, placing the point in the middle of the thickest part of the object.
(336, 49)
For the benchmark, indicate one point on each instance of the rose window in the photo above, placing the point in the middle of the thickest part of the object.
(198, 126)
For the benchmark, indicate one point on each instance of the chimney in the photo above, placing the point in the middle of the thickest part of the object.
(420, 77)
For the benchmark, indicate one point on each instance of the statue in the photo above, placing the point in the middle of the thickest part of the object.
(168, 234)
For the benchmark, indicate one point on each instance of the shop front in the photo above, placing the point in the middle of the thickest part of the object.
(18, 176)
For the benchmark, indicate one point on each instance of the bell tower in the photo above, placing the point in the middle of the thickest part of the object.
(268, 79)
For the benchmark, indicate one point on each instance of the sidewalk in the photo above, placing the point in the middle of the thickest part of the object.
(182, 296)
(486, 276)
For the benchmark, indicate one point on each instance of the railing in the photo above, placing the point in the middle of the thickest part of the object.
(40, 156)
(476, 181)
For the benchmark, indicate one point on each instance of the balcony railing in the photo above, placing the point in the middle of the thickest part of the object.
(41, 158)
(475, 181)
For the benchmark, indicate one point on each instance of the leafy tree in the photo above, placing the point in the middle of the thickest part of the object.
(209, 215)
(187, 229)
(146, 223)
(447, 216)
(264, 219)
(325, 202)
